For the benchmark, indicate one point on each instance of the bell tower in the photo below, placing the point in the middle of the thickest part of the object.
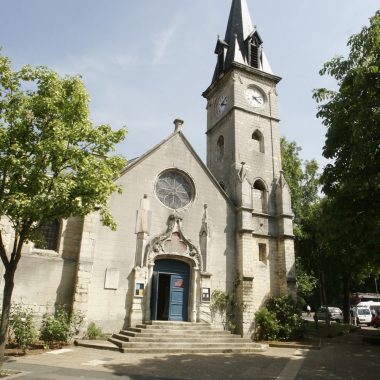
(243, 153)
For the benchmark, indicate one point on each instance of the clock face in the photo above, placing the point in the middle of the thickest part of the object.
(221, 104)
(255, 97)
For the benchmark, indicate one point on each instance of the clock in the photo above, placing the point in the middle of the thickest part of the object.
(255, 97)
(221, 104)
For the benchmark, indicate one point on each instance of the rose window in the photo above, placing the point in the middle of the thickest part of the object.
(174, 189)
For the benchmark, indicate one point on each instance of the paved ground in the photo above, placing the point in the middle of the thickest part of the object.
(340, 358)
(343, 358)
(85, 363)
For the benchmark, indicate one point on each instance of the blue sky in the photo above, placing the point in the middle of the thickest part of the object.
(146, 62)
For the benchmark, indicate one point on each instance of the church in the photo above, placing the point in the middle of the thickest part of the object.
(184, 227)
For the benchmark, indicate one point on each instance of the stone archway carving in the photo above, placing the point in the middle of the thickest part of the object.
(173, 244)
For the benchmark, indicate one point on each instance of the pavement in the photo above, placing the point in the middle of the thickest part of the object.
(346, 357)
(86, 363)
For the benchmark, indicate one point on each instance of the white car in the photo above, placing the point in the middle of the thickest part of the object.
(362, 315)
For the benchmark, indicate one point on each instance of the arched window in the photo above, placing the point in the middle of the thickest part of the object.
(50, 235)
(260, 196)
(220, 145)
(258, 141)
(263, 253)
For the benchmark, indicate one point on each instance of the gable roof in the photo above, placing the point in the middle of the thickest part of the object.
(136, 161)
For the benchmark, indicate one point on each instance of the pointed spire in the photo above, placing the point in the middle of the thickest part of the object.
(239, 22)
(242, 42)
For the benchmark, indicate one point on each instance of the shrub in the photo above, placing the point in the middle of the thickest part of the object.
(227, 305)
(219, 302)
(285, 313)
(22, 326)
(61, 326)
(267, 325)
(94, 332)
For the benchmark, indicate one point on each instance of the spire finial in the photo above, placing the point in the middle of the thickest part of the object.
(178, 125)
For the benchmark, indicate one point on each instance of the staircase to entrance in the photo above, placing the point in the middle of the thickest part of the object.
(178, 337)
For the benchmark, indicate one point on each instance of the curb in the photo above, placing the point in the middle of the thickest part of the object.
(316, 345)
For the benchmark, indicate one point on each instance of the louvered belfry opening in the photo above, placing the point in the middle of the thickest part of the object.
(254, 51)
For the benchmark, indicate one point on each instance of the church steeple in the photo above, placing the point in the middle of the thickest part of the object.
(242, 42)
(239, 22)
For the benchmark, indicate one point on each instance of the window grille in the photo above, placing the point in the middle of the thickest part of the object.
(174, 189)
(50, 234)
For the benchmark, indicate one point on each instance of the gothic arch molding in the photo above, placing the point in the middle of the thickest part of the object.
(173, 245)
(260, 184)
(258, 140)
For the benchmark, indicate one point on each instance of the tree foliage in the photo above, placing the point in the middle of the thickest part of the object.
(351, 180)
(54, 163)
(303, 180)
(352, 117)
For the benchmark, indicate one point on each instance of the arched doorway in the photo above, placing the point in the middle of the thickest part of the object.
(170, 290)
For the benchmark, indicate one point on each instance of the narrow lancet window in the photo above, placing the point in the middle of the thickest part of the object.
(220, 147)
(260, 196)
(258, 141)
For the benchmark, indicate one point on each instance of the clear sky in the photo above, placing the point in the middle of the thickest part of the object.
(146, 62)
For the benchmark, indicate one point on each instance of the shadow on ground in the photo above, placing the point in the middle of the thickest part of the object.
(211, 366)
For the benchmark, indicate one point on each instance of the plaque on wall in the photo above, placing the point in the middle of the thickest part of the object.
(139, 289)
(111, 280)
(205, 294)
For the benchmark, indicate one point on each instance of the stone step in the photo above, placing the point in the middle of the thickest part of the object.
(164, 346)
(107, 345)
(212, 350)
(183, 338)
(177, 326)
(151, 333)
(176, 323)
(98, 344)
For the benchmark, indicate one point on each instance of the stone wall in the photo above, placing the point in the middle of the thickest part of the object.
(46, 278)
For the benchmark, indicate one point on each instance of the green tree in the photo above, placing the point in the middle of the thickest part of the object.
(351, 180)
(54, 163)
(303, 180)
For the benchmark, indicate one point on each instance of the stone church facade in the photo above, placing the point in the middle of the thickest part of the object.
(184, 228)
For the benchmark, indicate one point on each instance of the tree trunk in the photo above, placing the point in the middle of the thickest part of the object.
(7, 296)
(325, 303)
(346, 299)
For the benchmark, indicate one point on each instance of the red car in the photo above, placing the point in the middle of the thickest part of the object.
(375, 322)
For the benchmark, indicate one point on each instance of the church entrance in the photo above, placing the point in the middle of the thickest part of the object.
(170, 290)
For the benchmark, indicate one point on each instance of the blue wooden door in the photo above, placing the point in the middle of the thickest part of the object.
(170, 290)
(178, 297)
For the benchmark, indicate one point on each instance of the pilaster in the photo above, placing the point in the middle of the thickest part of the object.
(85, 262)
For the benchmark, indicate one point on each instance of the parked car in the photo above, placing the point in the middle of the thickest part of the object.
(375, 322)
(335, 314)
(362, 315)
